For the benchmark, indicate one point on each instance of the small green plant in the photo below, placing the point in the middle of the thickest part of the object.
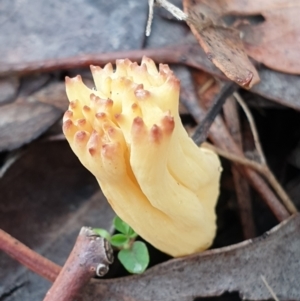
(132, 254)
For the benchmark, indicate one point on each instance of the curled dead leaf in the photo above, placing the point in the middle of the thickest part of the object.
(221, 44)
(274, 42)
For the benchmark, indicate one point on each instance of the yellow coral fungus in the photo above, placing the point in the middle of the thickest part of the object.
(128, 133)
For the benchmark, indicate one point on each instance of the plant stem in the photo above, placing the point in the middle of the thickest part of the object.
(202, 130)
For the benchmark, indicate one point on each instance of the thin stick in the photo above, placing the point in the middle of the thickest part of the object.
(262, 169)
(171, 8)
(241, 185)
(267, 172)
(29, 258)
(10, 160)
(235, 158)
(90, 256)
(280, 191)
(269, 288)
(150, 17)
(201, 132)
(252, 126)
(220, 136)
(186, 53)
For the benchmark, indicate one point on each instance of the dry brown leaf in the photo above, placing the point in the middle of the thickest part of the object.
(222, 45)
(237, 268)
(8, 89)
(20, 123)
(46, 197)
(275, 42)
(280, 87)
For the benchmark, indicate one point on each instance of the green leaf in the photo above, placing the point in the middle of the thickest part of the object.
(102, 232)
(121, 226)
(131, 233)
(136, 259)
(119, 240)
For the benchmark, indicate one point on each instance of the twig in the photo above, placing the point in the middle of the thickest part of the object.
(188, 53)
(280, 191)
(29, 258)
(219, 134)
(150, 17)
(267, 172)
(235, 158)
(90, 256)
(241, 185)
(262, 169)
(252, 126)
(9, 161)
(269, 288)
(171, 8)
(202, 129)
(221, 137)
(208, 84)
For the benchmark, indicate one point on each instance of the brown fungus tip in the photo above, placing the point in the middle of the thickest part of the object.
(68, 114)
(138, 121)
(146, 59)
(164, 69)
(141, 93)
(86, 108)
(144, 67)
(77, 78)
(95, 68)
(93, 97)
(92, 151)
(118, 116)
(67, 125)
(72, 104)
(81, 122)
(134, 106)
(109, 102)
(168, 123)
(155, 133)
(108, 150)
(108, 67)
(81, 136)
(111, 132)
(100, 115)
(67, 79)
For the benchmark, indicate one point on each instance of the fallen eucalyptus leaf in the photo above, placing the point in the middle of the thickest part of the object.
(45, 199)
(238, 268)
(222, 45)
(279, 87)
(8, 89)
(21, 123)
